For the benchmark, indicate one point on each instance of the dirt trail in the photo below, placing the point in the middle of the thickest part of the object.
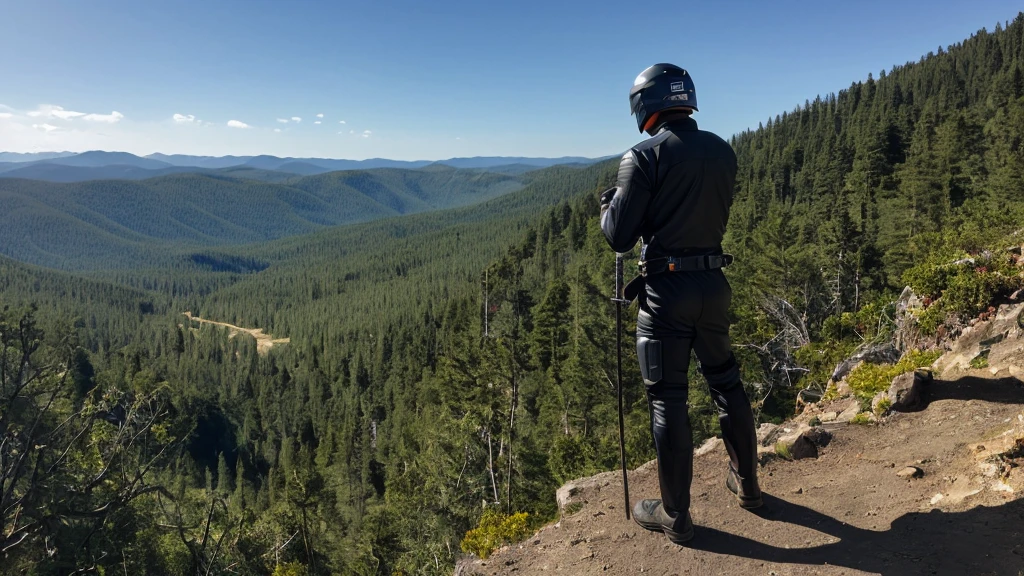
(264, 342)
(846, 512)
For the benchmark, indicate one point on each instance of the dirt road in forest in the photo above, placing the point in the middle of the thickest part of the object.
(264, 342)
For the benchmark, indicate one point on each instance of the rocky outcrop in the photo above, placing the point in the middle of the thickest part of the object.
(904, 394)
(995, 345)
(885, 353)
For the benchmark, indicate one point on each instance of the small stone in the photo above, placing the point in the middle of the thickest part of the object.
(802, 448)
(829, 416)
(910, 472)
(710, 445)
(564, 495)
(935, 499)
(819, 436)
(852, 410)
(798, 491)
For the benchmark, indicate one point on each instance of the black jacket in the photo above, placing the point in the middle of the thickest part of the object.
(674, 191)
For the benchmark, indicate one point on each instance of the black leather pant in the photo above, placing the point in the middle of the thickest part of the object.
(686, 311)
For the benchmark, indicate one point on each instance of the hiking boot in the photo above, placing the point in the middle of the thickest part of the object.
(746, 491)
(651, 515)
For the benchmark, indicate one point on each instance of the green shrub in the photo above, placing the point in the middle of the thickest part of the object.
(867, 380)
(573, 507)
(571, 457)
(290, 569)
(961, 289)
(883, 406)
(782, 449)
(495, 529)
(862, 418)
(981, 360)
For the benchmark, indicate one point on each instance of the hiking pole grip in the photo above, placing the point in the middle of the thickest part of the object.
(618, 379)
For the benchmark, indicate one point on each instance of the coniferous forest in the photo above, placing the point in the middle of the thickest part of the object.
(457, 365)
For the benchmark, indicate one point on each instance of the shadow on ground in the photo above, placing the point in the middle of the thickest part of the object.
(1002, 390)
(984, 540)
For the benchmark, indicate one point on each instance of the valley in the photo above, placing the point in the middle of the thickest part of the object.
(436, 345)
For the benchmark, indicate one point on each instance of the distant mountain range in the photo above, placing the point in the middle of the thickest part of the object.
(101, 165)
(107, 222)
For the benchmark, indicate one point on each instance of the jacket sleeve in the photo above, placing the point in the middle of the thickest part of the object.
(622, 217)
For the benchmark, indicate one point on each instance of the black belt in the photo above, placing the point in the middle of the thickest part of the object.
(635, 287)
(684, 264)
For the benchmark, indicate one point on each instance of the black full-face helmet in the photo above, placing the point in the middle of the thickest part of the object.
(658, 88)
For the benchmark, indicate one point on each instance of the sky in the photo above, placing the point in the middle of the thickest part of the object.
(417, 80)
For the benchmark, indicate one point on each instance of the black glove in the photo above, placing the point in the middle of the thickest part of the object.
(606, 196)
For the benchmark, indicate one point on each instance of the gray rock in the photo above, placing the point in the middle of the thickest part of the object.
(906, 390)
(564, 495)
(709, 445)
(910, 472)
(818, 436)
(767, 433)
(851, 410)
(873, 354)
(802, 448)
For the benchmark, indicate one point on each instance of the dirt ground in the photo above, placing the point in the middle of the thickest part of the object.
(264, 342)
(846, 512)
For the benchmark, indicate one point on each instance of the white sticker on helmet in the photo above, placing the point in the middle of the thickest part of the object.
(677, 87)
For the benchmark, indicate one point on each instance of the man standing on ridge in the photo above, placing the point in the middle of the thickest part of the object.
(674, 191)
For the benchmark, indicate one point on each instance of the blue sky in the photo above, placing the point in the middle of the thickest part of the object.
(428, 80)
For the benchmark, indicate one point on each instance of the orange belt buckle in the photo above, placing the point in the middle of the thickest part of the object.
(671, 266)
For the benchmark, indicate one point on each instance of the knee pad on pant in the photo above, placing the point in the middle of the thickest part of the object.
(664, 359)
(723, 377)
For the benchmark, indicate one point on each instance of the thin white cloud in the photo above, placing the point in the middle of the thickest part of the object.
(367, 132)
(351, 131)
(296, 119)
(112, 118)
(277, 129)
(4, 115)
(282, 120)
(237, 124)
(51, 111)
(184, 119)
(341, 121)
(320, 115)
(317, 122)
(45, 127)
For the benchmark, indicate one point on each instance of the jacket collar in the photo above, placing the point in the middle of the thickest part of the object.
(678, 123)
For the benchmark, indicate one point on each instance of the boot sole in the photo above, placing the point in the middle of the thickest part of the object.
(673, 536)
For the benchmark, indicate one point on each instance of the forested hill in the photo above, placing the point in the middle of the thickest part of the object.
(449, 370)
(123, 224)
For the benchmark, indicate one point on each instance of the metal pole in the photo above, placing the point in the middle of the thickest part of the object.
(619, 300)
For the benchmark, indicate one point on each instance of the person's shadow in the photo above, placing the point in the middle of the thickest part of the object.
(985, 540)
(1008, 390)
